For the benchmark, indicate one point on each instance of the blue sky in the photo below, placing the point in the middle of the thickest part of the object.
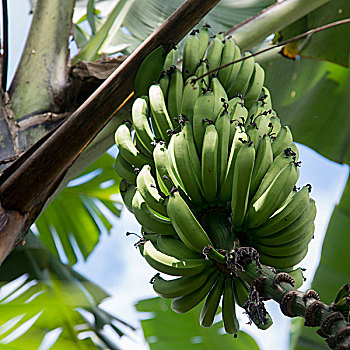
(118, 267)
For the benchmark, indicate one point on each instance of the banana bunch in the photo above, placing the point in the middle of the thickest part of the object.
(208, 168)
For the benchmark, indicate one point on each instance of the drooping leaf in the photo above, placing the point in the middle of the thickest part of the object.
(49, 296)
(334, 269)
(312, 98)
(81, 211)
(165, 329)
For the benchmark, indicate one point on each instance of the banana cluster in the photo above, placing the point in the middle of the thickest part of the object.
(209, 168)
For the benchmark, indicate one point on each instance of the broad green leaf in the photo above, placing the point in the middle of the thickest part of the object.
(114, 19)
(80, 36)
(81, 211)
(334, 268)
(55, 297)
(312, 98)
(332, 44)
(165, 329)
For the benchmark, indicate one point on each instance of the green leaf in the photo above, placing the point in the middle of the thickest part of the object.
(330, 45)
(114, 19)
(81, 211)
(334, 269)
(312, 98)
(54, 296)
(165, 329)
(80, 36)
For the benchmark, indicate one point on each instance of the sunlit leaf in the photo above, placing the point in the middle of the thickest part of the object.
(76, 217)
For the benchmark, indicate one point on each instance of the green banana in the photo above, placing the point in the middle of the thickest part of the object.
(203, 109)
(273, 197)
(294, 230)
(214, 52)
(138, 144)
(164, 83)
(275, 123)
(184, 168)
(283, 218)
(188, 228)
(223, 128)
(147, 218)
(125, 170)
(231, 324)
(190, 94)
(173, 171)
(285, 261)
(241, 182)
(276, 166)
(211, 303)
(175, 89)
(173, 247)
(283, 140)
(219, 94)
(255, 86)
(253, 133)
(180, 286)
(171, 59)
(203, 40)
(226, 187)
(209, 163)
(127, 192)
(289, 248)
(298, 277)
(265, 98)
(146, 185)
(191, 54)
(230, 53)
(127, 149)
(141, 124)
(149, 71)
(202, 69)
(159, 111)
(161, 162)
(240, 84)
(189, 301)
(264, 159)
(170, 265)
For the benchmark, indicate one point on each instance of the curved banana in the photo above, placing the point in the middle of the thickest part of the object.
(127, 192)
(273, 197)
(212, 302)
(209, 162)
(253, 133)
(141, 124)
(191, 54)
(147, 218)
(170, 265)
(159, 111)
(241, 182)
(161, 162)
(285, 261)
(223, 128)
(264, 159)
(230, 53)
(173, 247)
(203, 40)
(282, 141)
(190, 94)
(294, 230)
(184, 168)
(180, 286)
(127, 148)
(175, 89)
(214, 52)
(202, 69)
(255, 86)
(219, 94)
(149, 71)
(171, 59)
(231, 324)
(291, 247)
(203, 109)
(189, 301)
(125, 170)
(283, 218)
(146, 185)
(240, 84)
(188, 228)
